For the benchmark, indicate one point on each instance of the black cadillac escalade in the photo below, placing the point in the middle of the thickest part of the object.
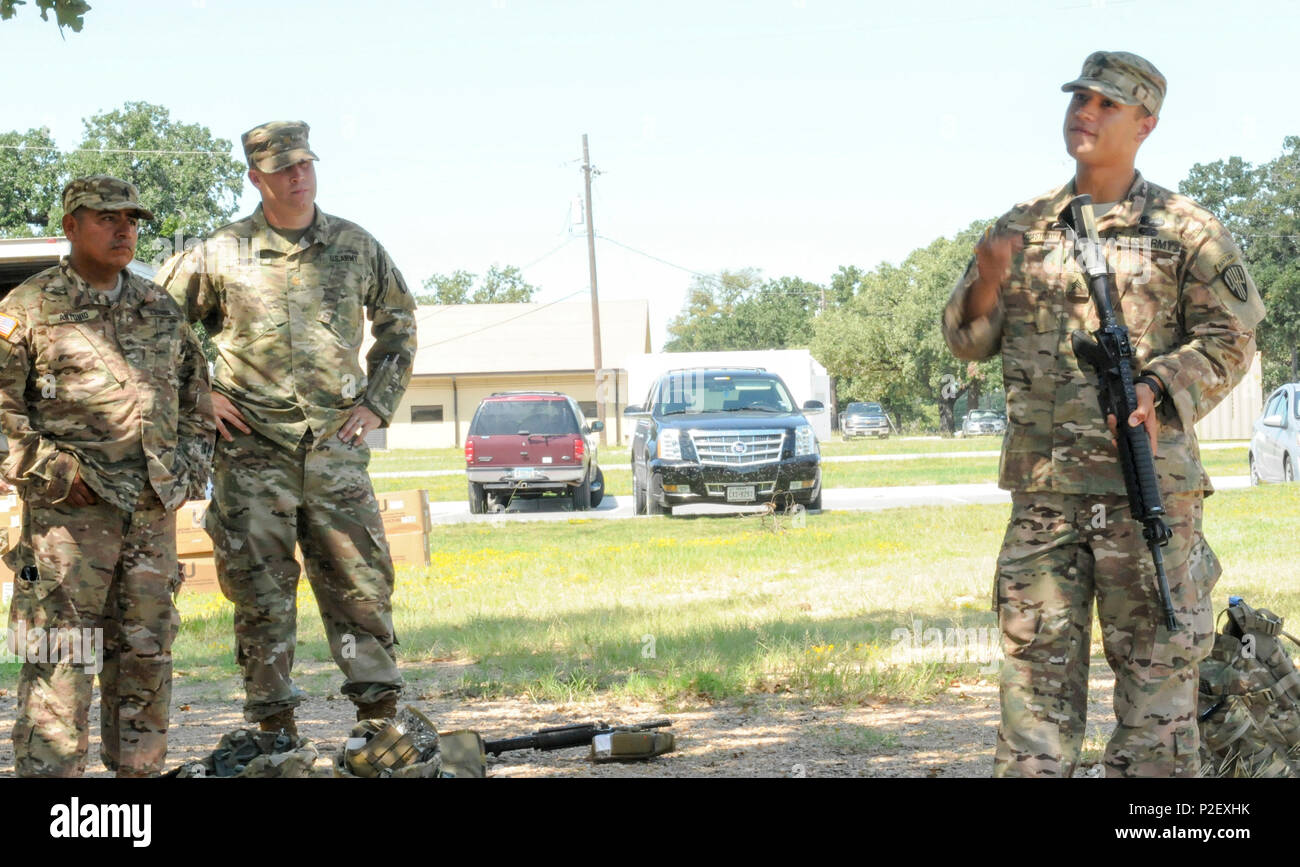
(723, 435)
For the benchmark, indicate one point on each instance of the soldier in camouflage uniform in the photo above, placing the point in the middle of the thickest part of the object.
(104, 398)
(1191, 310)
(285, 294)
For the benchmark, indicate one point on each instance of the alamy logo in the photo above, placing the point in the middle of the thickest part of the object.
(1130, 256)
(35, 644)
(75, 819)
(979, 644)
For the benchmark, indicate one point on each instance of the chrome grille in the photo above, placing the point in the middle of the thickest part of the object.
(738, 448)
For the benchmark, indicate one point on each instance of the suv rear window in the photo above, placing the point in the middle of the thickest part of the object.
(505, 417)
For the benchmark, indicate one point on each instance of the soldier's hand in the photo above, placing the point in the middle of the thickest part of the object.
(361, 422)
(80, 494)
(227, 414)
(993, 259)
(1144, 415)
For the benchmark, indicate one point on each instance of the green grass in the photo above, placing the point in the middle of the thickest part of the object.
(864, 474)
(836, 445)
(857, 738)
(685, 611)
(952, 471)
(416, 460)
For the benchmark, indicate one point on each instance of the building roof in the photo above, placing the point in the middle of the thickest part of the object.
(501, 338)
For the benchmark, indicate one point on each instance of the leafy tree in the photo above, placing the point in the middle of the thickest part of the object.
(885, 344)
(68, 13)
(737, 310)
(1260, 205)
(777, 315)
(705, 323)
(443, 289)
(844, 284)
(185, 175)
(504, 286)
(499, 286)
(30, 181)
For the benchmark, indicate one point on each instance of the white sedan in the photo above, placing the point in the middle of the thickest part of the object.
(1275, 447)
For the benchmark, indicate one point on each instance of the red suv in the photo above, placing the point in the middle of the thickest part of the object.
(531, 443)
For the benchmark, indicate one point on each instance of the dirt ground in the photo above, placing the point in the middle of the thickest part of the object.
(759, 736)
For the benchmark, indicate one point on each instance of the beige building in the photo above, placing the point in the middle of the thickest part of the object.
(468, 351)
(1234, 418)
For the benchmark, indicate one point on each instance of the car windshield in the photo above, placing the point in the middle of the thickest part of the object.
(865, 408)
(547, 417)
(984, 415)
(721, 392)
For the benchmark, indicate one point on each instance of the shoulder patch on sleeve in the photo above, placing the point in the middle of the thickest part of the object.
(8, 325)
(1235, 277)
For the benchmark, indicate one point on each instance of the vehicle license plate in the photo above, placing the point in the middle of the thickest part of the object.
(525, 472)
(740, 494)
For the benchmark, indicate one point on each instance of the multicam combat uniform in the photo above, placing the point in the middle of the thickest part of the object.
(288, 321)
(1191, 310)
(117, 392)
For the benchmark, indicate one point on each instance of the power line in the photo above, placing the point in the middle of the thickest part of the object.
(713, 278)
(655, 258)
(547, 254)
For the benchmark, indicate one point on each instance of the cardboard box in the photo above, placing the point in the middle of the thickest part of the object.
(409, 549)
(200, 575)
(191, 539)
(404, 511)
(8, 535)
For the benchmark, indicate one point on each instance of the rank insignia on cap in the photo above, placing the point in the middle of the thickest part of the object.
(1235, 278)
(7, 325)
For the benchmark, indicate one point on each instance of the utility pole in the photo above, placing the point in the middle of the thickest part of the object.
(587, 172)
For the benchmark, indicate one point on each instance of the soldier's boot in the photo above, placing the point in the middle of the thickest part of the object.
(280, 721)
(385, 708)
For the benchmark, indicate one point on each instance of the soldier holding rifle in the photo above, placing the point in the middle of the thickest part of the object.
(1190, 307)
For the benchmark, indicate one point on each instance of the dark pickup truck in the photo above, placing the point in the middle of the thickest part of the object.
(723, 435)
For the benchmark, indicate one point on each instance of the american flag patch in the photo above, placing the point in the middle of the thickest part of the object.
(7, 325)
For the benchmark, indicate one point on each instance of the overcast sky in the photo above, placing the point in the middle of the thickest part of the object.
(793, 136)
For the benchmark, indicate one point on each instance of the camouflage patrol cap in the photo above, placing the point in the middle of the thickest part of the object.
(1123, 77)
(277, 145)
(103, 193)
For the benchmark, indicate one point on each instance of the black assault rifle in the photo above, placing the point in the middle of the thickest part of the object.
(1110, 354)
(562, 737)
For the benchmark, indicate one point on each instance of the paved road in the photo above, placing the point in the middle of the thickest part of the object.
(833, 500)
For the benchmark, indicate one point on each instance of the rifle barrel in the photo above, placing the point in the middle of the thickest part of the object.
(563, 737)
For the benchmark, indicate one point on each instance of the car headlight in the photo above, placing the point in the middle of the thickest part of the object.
(670, 444)
(805, 443)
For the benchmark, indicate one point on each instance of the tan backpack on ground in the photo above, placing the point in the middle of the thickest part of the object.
(1249, 701)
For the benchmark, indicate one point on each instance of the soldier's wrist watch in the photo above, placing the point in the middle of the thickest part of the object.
(1157, 389)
